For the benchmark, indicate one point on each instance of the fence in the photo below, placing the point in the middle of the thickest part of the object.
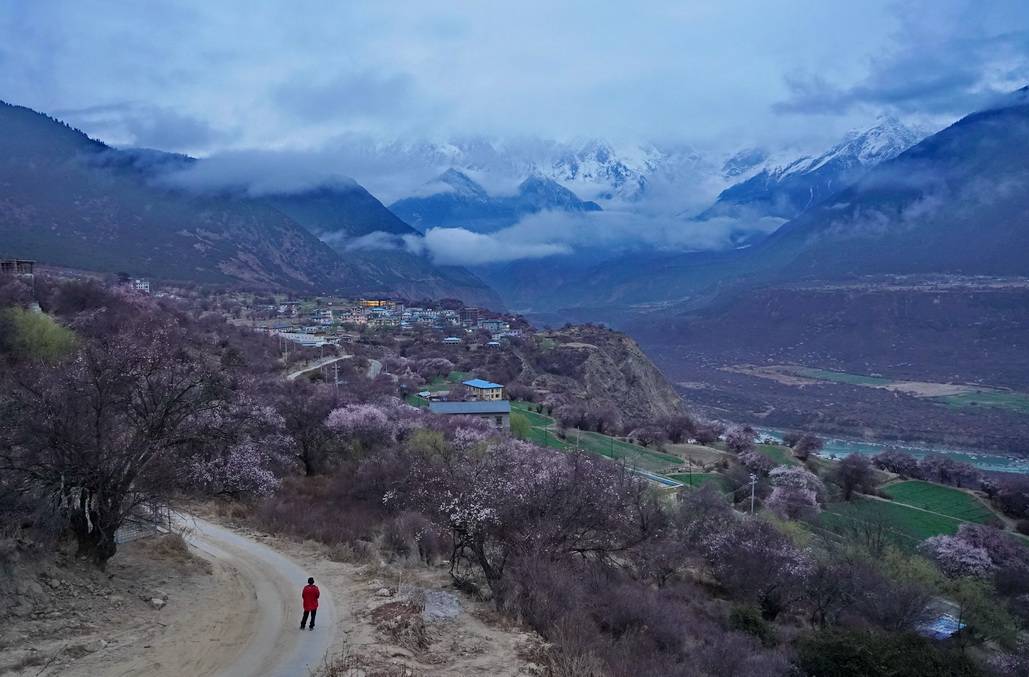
(146, 520)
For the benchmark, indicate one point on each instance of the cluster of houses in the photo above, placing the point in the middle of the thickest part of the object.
(312, 323)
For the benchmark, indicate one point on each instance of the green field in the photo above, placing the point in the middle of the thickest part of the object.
(595, 443)
(535, 419)
(841, 377)
(779, 454)
(698, 479)
(633, 454)
(996, 399)
(911, 526)
(944, 500)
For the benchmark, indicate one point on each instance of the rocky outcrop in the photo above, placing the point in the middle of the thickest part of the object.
(598, 366)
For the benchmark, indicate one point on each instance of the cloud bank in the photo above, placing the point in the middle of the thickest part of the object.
(555, 233)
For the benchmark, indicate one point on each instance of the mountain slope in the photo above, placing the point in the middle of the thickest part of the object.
(787, 190)
(72, 201)
(69, 200)
(957, 202)
(464, 203)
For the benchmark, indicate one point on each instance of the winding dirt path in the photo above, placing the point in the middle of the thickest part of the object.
(250, 627)
(276, 645)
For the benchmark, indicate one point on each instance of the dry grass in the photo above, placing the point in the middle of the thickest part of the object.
(403, 623)
(347, 664)
(173, 548)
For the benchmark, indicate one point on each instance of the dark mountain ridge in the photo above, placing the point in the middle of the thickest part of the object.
(72, 201)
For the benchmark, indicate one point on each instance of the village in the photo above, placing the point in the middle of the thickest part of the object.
(333, 321)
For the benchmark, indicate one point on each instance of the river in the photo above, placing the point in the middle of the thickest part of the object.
(838, 448)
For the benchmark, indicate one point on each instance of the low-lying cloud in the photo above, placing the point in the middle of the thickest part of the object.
(555, 233)
(458, 246)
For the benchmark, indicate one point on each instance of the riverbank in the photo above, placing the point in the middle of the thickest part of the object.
(836, 447)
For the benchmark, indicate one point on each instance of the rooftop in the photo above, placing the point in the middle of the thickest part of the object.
(486, 407)
(479, 383)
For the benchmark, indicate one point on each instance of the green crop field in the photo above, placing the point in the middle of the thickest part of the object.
(594, 443)
(632, 454)
(779, 454)
(535, 419)
(546, 438)
(944, 500)
(911, 526)
(994, 399)
(841, 377)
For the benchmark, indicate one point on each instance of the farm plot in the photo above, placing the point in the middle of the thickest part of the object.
(779, 454)
(944, 500)
(910, 525)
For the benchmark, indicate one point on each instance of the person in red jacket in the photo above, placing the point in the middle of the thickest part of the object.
(310, 596)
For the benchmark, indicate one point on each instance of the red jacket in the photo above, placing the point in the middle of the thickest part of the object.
(310, 595)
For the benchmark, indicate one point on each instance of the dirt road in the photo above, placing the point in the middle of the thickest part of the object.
(249, 624)
(276, 645)
(317, 364)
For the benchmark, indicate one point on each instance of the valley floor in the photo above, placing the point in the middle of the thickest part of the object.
(882, 409)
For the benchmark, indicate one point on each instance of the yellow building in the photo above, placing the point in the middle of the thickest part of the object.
(485, 390)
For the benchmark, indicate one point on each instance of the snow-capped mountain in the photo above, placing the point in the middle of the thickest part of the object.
(457, 201)
(600, 172)
(767, 186)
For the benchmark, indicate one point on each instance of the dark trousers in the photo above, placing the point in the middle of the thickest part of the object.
(303, 621)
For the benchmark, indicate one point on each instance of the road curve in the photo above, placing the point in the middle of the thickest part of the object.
(276, 647)
(317, 364)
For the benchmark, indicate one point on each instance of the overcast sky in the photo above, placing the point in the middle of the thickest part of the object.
(202, 76)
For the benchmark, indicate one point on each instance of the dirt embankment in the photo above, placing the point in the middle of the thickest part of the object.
(67, 618)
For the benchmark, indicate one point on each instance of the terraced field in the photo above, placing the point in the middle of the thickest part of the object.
(944, 500)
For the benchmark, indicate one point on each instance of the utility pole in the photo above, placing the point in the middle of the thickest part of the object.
(753, 484)
(689, 463)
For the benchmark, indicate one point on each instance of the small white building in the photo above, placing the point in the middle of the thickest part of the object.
(139, 284)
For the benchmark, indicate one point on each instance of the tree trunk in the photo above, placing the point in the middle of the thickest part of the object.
(94, 521)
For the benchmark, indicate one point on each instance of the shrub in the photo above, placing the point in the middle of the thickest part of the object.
(748, 620)
(844, 653)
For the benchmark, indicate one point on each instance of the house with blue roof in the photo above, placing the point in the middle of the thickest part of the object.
(484, 391)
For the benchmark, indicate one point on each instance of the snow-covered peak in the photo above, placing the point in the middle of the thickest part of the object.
(461, 184)
(887, 139)
(597, 170)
